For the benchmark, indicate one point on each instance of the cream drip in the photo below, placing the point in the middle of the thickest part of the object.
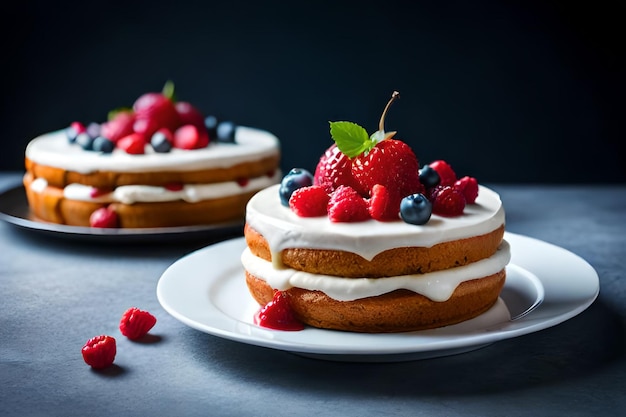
(437, 286)
(191, 193)
(283, 229)
(53, 149)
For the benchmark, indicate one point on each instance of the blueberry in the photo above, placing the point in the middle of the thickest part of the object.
(296, 178)
(226, 132)
(102, 144)
(85, 141)
(71, 134)
(429, 177)
(160, 142)
(416, 209)
(210, 122)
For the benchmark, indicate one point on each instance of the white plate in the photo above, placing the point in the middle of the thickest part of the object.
(545, 286)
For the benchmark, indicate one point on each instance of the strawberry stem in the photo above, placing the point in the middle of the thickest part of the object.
(381, 124)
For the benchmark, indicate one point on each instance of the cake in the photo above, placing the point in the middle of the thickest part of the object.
(161, 163)
(372, 243)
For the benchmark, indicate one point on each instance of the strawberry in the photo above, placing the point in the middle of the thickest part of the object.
(334, 169)
(346, 205)
(277, 314)
(120, 125)
(189, 114)
(156, 110)
(134, 144)
(190, 137)
(136, 323)
(391, 163)
(311, 201)
(447, 201)
(104, 217)
(99, 351)
(469, 187)
(446, 173)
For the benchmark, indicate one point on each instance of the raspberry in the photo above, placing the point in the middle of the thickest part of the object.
(189, 114)
(384, 204)
(469, 187)
(191, 137)
(154, 111)
(445, 171)
(447, 201)
(310, 201)
(346, 205)
(136, 323)
(134, 144)
(103, 217)
(99, 351)
(277, 314)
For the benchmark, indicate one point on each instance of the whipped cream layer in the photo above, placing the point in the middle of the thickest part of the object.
(284, 229)
(437, 286)
(191, 193)
(53, 149)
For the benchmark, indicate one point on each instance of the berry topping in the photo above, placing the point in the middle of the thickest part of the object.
(97, 192)
(346, 205)
(156, 110)
(136, 323)
(243, 181)
(93, 130)
(446, 173)
(334, 169)
(134, 144)
(174, 186)
(469, 187)
(84, 141)
(309, 201)
(447, 201)
(277, 315)
(162, 140)
(102, 144)
(416, 209)
(210, 122)
(188, 114)
(74, 129)
(429, 177)
(378, 159)
(382, 204)
(190, 137)
(104, 217)
(295, 178)
(118, 126)
(99, 351)
(225, 132)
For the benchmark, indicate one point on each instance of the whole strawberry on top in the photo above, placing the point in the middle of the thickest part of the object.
(362, 177)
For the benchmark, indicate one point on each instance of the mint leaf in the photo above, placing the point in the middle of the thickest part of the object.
(350, 138)
(168, 90)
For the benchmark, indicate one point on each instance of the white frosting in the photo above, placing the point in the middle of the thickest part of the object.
(53, 149)
(437, 286)
(191, 193)
(284, 229)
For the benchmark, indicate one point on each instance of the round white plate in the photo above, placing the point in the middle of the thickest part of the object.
(545, 286)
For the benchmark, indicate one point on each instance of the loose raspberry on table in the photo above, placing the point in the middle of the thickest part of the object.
(311, 201)
(469, 187)
(446, 173)
(447, 201)
(347, 205)
(99, 351)
(136, 323)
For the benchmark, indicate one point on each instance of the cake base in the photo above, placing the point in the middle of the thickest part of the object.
(397, 311)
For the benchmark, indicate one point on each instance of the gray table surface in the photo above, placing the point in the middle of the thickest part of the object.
(57, 293)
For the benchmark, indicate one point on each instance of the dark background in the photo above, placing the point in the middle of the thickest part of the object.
(527, 91)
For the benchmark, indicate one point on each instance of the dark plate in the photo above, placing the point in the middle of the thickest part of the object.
(15, 211)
